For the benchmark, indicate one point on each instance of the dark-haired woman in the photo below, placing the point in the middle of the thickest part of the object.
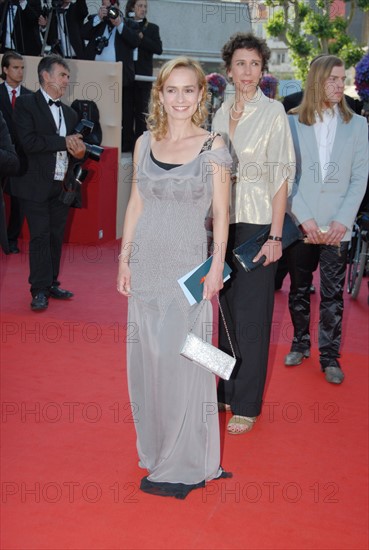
(257, 132)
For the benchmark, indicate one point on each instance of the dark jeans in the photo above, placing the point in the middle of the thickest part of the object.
(303, 261)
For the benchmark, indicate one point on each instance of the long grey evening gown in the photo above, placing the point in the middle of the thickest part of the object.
(174, 401)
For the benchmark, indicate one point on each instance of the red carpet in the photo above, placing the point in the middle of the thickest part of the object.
(69, 473)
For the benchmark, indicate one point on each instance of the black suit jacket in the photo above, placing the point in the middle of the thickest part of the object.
(26, 30)
(7, 110)
(124, 45)
(149, 44)
(36, 133)
(74, 16)
(9, 162)
(6, 106)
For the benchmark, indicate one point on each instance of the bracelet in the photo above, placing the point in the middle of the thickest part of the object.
(274, 238)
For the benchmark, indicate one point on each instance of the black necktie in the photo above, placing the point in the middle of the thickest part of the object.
(57, 103)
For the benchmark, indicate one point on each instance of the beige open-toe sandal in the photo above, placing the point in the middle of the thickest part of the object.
(240, 424)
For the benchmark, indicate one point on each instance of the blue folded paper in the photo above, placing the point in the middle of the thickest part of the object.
(192, 283)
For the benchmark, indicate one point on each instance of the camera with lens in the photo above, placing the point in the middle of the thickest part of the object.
(100, 43)
(57, 4)
(131, 23)
(48, 7)
(85, 128)
(71, 191)
(113, 13)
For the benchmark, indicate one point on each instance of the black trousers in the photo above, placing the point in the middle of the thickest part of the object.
(15, 220)
(128, 117)
(142, 92)
(46, 221)
(247, 300)
(16, 216)
(303, 261)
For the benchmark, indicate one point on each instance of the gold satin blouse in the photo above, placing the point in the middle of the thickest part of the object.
(263, 156)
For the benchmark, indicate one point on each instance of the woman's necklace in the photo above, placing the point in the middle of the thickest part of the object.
(239, 113)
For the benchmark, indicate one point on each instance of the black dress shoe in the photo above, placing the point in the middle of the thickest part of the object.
(59, 293)
(39, 302)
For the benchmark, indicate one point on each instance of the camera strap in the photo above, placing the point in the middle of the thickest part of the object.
(110, 29)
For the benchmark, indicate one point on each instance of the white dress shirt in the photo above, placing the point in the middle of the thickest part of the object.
(10, 91)
(61, 165)
(325, 132)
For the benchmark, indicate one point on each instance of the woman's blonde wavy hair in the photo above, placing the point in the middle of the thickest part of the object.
(157, 121)
(314, 96)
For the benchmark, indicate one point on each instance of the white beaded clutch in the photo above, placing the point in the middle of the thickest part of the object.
(208, 356)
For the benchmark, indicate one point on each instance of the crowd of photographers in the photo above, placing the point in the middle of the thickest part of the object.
(45, 133)
(35, 27)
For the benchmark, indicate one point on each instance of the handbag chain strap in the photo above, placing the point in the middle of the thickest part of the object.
(224, 321)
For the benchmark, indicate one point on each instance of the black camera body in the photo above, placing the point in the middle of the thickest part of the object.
(100, 43)
(71, 191)
(84, 128)
(47, 8)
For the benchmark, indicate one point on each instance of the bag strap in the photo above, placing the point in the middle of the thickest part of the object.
(223, 318)
(208, 144)
(293, 127)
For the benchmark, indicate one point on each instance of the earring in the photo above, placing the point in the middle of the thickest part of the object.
(199, 109)
(161, 110)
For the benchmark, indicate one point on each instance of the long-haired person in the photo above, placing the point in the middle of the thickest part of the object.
(180, 172)
(257, 132)
(333, 143)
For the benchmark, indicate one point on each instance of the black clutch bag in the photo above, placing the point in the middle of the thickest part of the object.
(247, 251)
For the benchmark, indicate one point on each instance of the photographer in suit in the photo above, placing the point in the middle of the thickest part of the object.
(150, 44)
(113, 38)
(12, 69)
(44, 129)
(19, 28)
(64, 34)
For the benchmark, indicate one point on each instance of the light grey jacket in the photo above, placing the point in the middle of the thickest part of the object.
(338, 197)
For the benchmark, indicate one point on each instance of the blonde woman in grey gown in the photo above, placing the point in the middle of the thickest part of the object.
(180, 172)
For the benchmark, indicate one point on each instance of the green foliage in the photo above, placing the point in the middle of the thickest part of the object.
(309, 31)
(363, 4)
(276, 25)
